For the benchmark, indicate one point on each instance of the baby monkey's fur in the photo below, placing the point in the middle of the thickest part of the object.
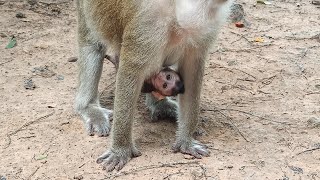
(146, 35)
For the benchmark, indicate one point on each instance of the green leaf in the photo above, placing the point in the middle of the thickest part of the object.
(11, 43)
(40, 157)
(264, 2)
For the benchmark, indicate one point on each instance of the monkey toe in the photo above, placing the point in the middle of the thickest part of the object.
(103, 134)
(193, 148)
(136, 152)
(90, 130)
(96, 120)
(117, 164)
(114, 162)
(202, 150)
(109, 161)
(121, 165)
(193, 153)
(117, 159)
(102, 131)
(103, 156)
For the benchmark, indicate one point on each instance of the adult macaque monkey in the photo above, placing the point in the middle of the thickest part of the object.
(147, 35)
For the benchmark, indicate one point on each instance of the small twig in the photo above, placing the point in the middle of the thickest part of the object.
(204, 172)
(46, 151)
(123, 173)
(235, 127)
(310, 93)
(241, 36)
(253, 174)
(82, 165)
(23, 126)
(244, 112)
(301, 38)
(262, 92)
(53, 3)
(246, 79)
(242, 88)
(27, 137)
(169, 175)
(215, 149)
(33, 37)
(31, 122)
(235, 69)
(246, 49)
(3, 34)
(308, 150)
(303, 54)
(6, 62)
(111, 84)
(267, 81)
(34, 172)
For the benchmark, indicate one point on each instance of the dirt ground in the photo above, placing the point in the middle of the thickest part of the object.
(260, 106)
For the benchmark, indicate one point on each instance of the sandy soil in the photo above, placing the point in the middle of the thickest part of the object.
(260, 102)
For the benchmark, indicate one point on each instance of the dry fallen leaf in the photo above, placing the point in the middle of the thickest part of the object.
(259, 39)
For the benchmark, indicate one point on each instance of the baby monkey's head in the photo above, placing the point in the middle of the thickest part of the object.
(167, 82)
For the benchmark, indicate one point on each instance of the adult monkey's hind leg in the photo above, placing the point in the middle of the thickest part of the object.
(91, 54)
(191, 70)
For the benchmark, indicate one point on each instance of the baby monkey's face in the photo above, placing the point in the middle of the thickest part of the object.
(168, 83)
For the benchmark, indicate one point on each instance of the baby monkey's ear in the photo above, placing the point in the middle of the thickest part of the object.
(179, 88)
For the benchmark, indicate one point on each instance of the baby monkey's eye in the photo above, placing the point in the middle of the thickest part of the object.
(168, 77)
(164, 85)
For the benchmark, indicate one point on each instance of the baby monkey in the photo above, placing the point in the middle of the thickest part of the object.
(166, 83)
